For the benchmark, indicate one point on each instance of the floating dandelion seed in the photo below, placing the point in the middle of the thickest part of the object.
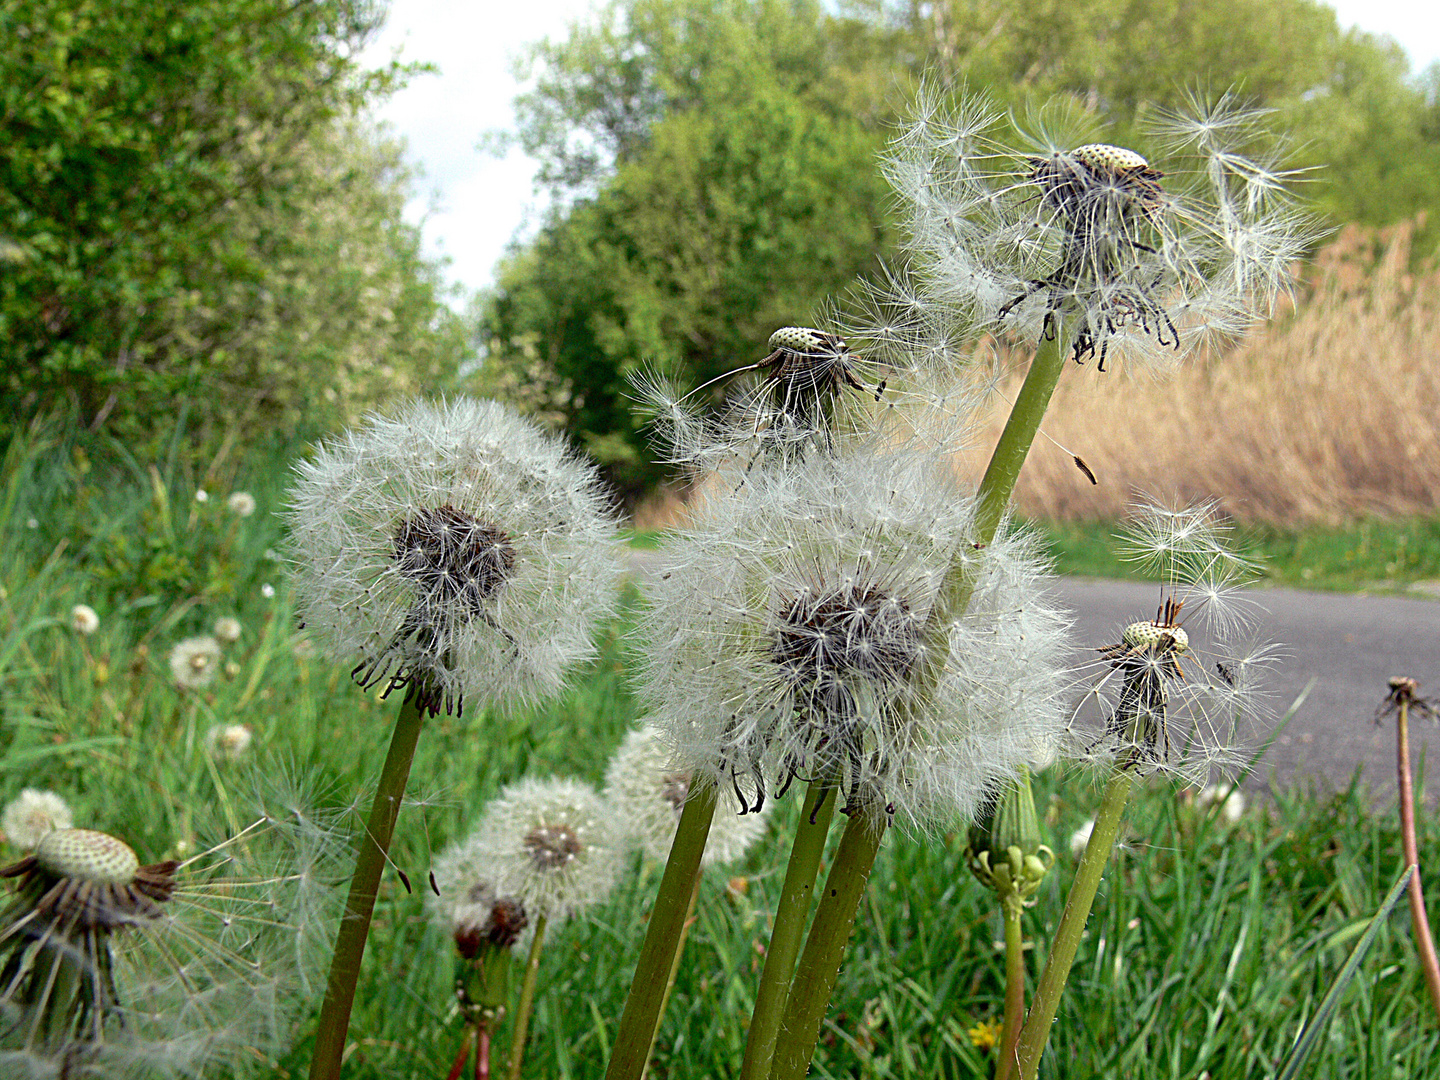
(648, 792)
(113, 968)
(28, 818)
(455, 548)
(1013, 231)
(785, 636)
(194, 662)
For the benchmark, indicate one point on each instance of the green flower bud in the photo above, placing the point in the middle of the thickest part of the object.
(1005, 851)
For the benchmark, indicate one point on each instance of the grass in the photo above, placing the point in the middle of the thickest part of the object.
(1211, 945)
(1369, 555)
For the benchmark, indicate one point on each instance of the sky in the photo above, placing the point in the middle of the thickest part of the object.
(470, 203)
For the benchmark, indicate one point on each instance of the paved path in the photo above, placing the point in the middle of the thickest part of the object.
(1349, 645)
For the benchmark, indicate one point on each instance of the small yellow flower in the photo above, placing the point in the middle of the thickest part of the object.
(985, 1035)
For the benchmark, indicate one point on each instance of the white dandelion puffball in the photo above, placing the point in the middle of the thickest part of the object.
(165, 969)
(789, 634)
(229, 741)
(1230, 800)
(32, 815)
(194, 662)
(227, 630)
(454, 547)
(551, 845)
(241, 503)
(648, 793)
(1013, 224)
(83, 619)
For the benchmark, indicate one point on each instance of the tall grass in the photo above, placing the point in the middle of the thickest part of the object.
(1328, 413)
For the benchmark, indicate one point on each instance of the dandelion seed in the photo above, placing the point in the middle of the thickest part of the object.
(83, 620)
(229, 742)
(455, 548)
(550, 844)
(785, 640)
(648, 792)
(241, 503)
(28, 818)
(113, 968)
(194, 662)
(227, 630)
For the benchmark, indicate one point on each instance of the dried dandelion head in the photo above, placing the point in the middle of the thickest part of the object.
(455, 549)
(1178, 693)
(117, 968)
(1142, 254)
(794, 634)
(648, 792)
(550, 845)
(83, 620)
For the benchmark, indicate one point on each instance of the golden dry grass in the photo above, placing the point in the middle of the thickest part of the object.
(1328, 413)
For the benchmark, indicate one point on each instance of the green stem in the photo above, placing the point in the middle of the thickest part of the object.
(674, 971)
(835, 916)
(527, 1000)
(1011, 910)
(819, 966)
(789, 930)
(364, 886)
(662, 936)
(1419, 921)
(1046, 1003)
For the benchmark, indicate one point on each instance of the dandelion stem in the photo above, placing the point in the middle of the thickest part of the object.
(1011, 910)
(825, 947)
(1419, 920)
(459, 1065)
(674, 970)
(527, 1000)
(819, 966)
(789, 931)
(662, 936)
(364, 886)
(1046, 1003)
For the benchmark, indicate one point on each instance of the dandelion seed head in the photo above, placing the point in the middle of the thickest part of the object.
(194, 662)
(648, 792)
(83, 619)
(241, 503)
(227, 630)
(229, 742)
(455, 547)
(551, 845)
(28, 818)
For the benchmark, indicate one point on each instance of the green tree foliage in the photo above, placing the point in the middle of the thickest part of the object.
(721, 185)
(713, 163)
(188, 211)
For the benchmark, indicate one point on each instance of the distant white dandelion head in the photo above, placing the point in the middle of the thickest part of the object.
(229, 742)
(1180, 692)
(1011, 230)
(227, 630)
(194, 662)
(119, 968)
(794, 627)
(241, 503)
(83, 619)
(551, 845)
(34, 813)
(455, 548)
(1229, 798)
(201, 495)
(648, 792)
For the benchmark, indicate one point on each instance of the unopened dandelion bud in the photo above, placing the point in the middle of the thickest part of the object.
(1005, 850)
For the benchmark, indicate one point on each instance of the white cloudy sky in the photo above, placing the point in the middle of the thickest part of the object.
(471, 204)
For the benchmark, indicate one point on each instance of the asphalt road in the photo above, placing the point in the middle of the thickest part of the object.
(1349, 645)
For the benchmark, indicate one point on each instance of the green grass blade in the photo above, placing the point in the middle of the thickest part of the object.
(1310, 1037)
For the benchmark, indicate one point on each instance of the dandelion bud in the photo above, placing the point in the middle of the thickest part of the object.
(1005, 851)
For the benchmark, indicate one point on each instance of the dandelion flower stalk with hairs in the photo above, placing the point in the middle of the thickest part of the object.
(457, 553)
